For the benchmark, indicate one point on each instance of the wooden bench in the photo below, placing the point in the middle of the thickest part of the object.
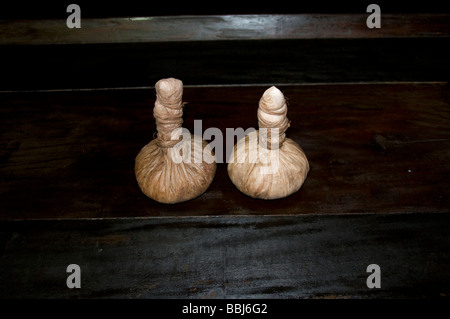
(369, 107)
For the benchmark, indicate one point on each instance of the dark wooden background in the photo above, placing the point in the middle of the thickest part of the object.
(56, 9)
(370, 111)
(373, 148)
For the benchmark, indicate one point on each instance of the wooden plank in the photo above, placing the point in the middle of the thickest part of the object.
(373, 148)
(221, 27)
(224, 62)
(56, 9)
(247, 257)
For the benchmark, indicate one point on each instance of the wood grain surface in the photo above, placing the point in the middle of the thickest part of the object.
(373, 148)
(49, 67)
(370, 108)
(247, 257)
(56, 9)
(221, 27)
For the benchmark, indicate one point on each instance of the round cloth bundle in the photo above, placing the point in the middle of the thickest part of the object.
(265, 164)
(176, 166)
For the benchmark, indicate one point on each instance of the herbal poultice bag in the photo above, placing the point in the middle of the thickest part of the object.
(176, 166)
(265, 164)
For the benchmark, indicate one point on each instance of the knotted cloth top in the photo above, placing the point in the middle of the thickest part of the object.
(272, 114)
(168, 110)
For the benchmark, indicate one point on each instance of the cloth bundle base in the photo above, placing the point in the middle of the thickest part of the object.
(265, 164)
(176, 166)
(170, 175)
